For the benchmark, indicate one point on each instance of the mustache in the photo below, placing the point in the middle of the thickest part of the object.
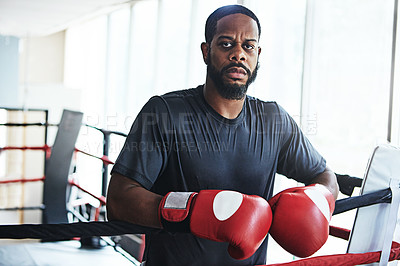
(236, 65)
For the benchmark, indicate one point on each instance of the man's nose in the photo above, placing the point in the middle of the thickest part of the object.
(237, 54)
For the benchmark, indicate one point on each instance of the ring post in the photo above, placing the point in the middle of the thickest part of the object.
(391, 222)
(58, 168)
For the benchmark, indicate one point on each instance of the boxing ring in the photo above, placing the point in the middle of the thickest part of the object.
(371, 240)
(62, 202)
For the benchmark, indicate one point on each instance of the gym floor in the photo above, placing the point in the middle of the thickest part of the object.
(59, 253)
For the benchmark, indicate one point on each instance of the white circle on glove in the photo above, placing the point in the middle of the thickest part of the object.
(320, 201)
(226, 203)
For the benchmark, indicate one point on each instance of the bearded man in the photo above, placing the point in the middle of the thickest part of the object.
(200, 164)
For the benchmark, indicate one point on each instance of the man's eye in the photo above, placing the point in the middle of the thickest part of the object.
(249, 46)
(226, 44)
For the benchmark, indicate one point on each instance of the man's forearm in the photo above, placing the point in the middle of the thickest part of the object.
(128, 201)
(328, 179)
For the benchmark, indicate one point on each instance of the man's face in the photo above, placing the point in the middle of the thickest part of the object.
(232, 57)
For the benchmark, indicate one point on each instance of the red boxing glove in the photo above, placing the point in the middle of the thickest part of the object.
(219, 215)
(301, 218)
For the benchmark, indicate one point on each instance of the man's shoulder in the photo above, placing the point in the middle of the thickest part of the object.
(173, 98)
(181, 94)
(269, 110)
(255, 102)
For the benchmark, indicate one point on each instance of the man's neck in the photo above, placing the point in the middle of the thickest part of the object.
(227, 108)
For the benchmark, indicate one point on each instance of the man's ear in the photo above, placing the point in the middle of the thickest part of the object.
(205, 47)
(259, 50)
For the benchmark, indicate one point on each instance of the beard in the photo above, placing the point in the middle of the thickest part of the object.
(226, 90)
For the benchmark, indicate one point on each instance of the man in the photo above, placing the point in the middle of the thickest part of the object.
(213, 137)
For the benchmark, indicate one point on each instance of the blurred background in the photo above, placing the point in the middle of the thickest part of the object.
(331, 64)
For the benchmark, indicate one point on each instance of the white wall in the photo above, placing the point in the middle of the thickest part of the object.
(41, 79)
(42, 59)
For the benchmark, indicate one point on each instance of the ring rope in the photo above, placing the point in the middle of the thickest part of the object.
(26, 124)
(22, 180)
(42, 148)
(106, 132)
(46, 148)
(55, 125)
(104, 158)
(27, 208)
(380, 196)
(102, 199)
(71, 230)
(339, 232)
(345, 259)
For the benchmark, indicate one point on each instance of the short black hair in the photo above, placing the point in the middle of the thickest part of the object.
(211, 23)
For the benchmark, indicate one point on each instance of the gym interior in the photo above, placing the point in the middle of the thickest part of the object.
(75, 74)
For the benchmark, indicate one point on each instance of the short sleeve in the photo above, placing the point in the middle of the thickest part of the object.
(146, 148)
(298, 159)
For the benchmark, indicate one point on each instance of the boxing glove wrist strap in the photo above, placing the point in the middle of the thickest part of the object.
(174, 211)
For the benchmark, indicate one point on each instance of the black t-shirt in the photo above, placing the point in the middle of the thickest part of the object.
(180, 143)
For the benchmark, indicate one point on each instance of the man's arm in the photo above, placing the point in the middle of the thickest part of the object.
(328, 179)
(128, 201)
